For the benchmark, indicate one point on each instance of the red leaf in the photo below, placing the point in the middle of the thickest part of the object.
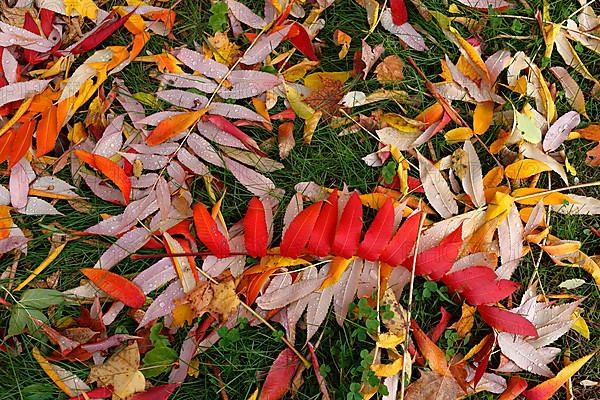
(489, 292)
(109, 168)
(379, 233)
(483, 358)
(301, 40)
(21, 141)
(436, 333)
(468, 277)
(506, 321)
(479, 285)
(46, 20)
(438, 260)
(109, 25)
(116, 286)
(347, 236)
(225, 125)
(516, 386)
(283, 115)
(403, 241)
(317, 372)
(399, 13)
(279, 378)
(162, 392)
(47, 132)
(208, 232)
(322, 236)
(299, 231)
(256, 234)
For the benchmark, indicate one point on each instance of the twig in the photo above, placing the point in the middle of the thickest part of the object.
(409, 306)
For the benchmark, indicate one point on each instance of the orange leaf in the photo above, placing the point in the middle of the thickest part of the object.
(516, 386)
(482, 118)
(21, 141)
(546, 389)
(109, 168)
(432, 353)
(47, 132)
(116, 286)
(525, 168)
(173, 126)
(6, 222)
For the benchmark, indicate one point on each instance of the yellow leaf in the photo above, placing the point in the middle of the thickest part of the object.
(373, 200)
(525, 168)
(494, 177)
(389, 340)
(310, 125)
(531, 196)
(471, 54)
(301, 109)
(84, 8)
(125, 385)
(194, 369)
(182, 313)
(520, 86)
(318, 80)
(499, 207)
(50, 370)
(570, 167)
(546, 96)
(550, 33)
(562, 249)
(482, 118)
(18, 114)
(254, 395)
(464, 325)
(475, 349)
(51, 257)
(459, 134)
(337, 268)
(298, 71)
(580, 326)
(387, 370)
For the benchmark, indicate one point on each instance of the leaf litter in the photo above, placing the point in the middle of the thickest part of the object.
(452, 221)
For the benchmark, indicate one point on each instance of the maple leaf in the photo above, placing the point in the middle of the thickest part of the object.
(327, 97)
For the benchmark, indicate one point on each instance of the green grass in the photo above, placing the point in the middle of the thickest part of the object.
(244, 358)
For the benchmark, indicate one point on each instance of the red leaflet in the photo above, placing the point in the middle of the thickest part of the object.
(403, 241)
(479, 285)
(225, 125)
(489, 292)
(506, 321)
(322, 235)
(108, 26)
(108, 168)
(299, 231)
(116, 286)
(468, 277)
(436, 333)
(279, 378)
(399, 13)
(21, 141)
(256, 235)
(347, 236)
(301, 40)
(438, 260)
(379, 233)
(516, 386)
(483, 358)
(162, 392)
(208, 232)
(285, 114)
(46, 20)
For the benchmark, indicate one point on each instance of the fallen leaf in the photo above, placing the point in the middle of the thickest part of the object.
(116, 286)
(390, 69)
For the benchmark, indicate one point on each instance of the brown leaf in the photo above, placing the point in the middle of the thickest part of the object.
(216, 298)
(390, 69)
(432, 385)
(120, 371)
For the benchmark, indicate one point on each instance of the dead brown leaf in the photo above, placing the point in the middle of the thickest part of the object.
(390, 69)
